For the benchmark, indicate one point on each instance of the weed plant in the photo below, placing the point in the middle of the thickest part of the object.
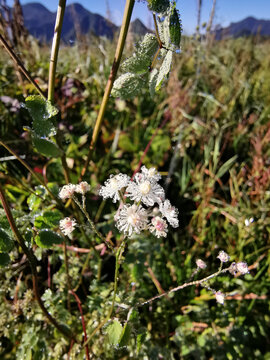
(207, 132)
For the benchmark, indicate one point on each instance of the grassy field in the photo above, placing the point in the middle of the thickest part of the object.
(208, 132)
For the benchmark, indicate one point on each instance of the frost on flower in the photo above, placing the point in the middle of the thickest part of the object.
(223, 256)
(142, 189)
(67, 225)
(200, 264)
(132, 218)
(67, 191)
(151, 174)
(170, 213)
(220, 297)
(113, 185)
(242, 267)
(158, 227)
(82, 188)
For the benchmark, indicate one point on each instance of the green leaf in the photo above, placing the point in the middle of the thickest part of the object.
(6, 243)
(141, 60)
(225, 167)
(46, 147)
(125, 335)
(4, 259)
(114, 331)
(153, 82)
(126, 144)
(47, 238)
(127, 86)
(175, 28)
(140, 339)
(34, 200)
(49, 219)
(41, 110)
(164, 70)
(159, 6)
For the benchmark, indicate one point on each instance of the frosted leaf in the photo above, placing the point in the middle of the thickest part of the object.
(159, 6)
(153, 81)
(141, 60)
(127, 86)
(164, 70)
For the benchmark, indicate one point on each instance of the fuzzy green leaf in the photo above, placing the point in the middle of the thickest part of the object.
(47, 238)
(6, 243)
(114, 331)
(140, 61)
(41, 111)
(159, 6)
(175, 28)
(153, 81)
(127, 86)
(46, 147)
(49, 219)
(4, 259)
(164, 70)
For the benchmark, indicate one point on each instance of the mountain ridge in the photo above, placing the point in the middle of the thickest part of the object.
(40, 21)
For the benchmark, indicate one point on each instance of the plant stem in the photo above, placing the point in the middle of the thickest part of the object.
(83, 322)
(156, 30)
(117, 58)
(32, 261)
(20, 66)
(67, 275)
(55, 48)
(180, 287)
(92, 225)
(118, 257)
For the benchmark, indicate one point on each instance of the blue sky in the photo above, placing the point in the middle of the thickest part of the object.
(227, 11)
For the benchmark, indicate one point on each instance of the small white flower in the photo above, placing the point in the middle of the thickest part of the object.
(132, 219)
(170, 213)
(242, 267)
(159, 227)
(67, 191)
(82, 188)
(220, 297)
(200, 264)
(151, 174)
(67, 225)
(223, 256)
(141, 189)
(113, 185)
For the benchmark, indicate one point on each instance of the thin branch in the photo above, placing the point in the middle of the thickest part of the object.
(55, 48)
(83, 322)
(114, 69)
(20, 66)
(180, 287)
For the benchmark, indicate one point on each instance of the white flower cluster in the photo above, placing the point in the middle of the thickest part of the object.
(67, 191)
(143, 190)
(234, 268)
(67, 225)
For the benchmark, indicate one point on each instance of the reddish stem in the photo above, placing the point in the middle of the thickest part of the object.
(83, 323)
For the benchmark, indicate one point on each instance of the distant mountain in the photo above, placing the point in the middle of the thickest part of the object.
(39, 21)
(246, 27)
